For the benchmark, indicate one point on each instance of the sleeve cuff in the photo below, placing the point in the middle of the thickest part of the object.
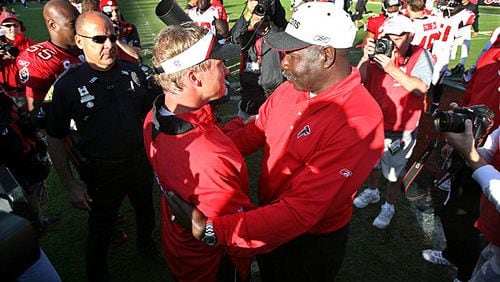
(484, 175)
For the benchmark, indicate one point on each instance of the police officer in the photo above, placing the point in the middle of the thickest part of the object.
(107, 99)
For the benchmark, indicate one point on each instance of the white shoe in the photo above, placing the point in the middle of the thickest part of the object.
(436, 257)
(384, 217)
(368, 196)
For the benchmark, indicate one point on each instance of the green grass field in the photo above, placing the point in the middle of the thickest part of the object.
(372, 255)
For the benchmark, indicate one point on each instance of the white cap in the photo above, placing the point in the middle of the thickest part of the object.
(315, 23)
(397, 25)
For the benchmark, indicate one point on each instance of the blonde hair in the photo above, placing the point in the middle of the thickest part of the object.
(171, 41)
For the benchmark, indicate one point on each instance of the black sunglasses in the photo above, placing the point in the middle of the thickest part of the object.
(100, 39)
(9, 25)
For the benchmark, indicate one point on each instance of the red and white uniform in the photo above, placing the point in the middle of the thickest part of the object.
(203, 167)
(206, 19)
(40, 65)
(442, 47)
(317, 153)
(374, 23)
(427, 30)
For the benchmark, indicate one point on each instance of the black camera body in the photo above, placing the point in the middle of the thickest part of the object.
(6, 47)
(480, 115)
(384, 46)
(263, 7)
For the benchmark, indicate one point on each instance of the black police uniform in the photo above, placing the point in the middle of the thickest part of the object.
(108, 109)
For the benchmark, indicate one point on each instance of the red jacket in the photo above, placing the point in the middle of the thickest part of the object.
(202, 166)
(317, 153)
(401, 108)
(484, 86)
(8, 74)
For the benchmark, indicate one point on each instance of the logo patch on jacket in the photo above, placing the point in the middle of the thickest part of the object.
(345, 172)
(304, 132)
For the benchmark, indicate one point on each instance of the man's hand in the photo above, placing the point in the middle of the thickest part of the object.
(369, 49)
(78, 196)
(462, 142)
(384, 62)
(186, 215)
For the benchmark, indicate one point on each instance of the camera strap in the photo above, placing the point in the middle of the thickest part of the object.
(414, 171)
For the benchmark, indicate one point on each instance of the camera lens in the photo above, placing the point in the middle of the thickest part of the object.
(380, 47)
(450, 122)
(260, 10)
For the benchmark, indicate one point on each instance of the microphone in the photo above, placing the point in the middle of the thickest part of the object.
(169, 12)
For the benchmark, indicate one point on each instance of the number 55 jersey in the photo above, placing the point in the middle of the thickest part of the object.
(40, 65)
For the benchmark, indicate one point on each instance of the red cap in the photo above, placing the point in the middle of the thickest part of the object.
(6, 15)
(107, 3)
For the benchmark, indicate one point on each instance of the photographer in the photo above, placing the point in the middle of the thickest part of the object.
(398, 76)
(260, 71)
(128, 43)
(488, 177)
(12, 41)
(461, 211)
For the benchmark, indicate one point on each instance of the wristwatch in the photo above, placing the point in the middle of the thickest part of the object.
(209, 237)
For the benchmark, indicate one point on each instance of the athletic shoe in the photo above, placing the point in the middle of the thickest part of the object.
(368, 196)
(436, 257)
(384, 217)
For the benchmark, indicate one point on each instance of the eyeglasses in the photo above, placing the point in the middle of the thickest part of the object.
(9, 25)
(100, 39)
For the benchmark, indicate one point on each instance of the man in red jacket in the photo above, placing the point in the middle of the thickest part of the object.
(322, 134)
(182, 132)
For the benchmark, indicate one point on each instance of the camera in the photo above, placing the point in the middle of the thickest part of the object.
(263, 7)
(384, 46)
(6, 47)
(480, 115)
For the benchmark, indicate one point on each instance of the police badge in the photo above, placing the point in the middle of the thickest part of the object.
(135, 79)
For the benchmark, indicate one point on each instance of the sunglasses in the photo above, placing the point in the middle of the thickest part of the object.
(9, 25)
(100, 39)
